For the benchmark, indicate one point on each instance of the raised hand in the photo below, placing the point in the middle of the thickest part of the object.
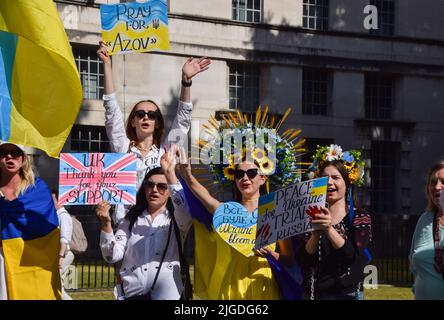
(102, 212)
(184, 163)
(168, 160)
(103, 53)
(322, 220)
(194, 66)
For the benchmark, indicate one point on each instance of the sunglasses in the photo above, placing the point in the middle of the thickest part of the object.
(14, 153)
(152, 115)
(251, 173)
(161, 187)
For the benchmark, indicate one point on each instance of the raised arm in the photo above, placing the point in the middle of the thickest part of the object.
(107, 68)
(210, 203)
(182, 122)
(114, 122)
(189, 70)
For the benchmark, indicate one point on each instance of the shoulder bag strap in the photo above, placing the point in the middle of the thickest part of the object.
(163, 257)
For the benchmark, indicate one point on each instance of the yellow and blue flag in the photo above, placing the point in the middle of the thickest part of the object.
(31, 243)
(319, 186)
(40, 89)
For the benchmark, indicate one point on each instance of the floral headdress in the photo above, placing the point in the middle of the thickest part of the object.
(351, 159)
(276, 154)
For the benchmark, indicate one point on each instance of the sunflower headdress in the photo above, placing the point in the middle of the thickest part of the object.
(351, 159)
(239, 137)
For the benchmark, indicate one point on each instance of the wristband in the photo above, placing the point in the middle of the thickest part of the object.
(187, 83)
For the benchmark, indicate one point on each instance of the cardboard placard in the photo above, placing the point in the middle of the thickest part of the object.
(88, 178)
(288, 211)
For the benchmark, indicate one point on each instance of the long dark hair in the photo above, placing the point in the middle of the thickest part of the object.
(141, 201)
(158, 131)
(344, 173)
(431, 207)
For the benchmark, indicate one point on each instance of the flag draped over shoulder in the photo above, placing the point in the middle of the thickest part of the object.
(40, 89)
(31, 243)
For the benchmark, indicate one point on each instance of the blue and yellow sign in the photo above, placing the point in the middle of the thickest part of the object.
(135, 26)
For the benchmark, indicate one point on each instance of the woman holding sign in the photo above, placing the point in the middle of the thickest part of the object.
(144, 128)
(246, 277)
(226, 264)
(149, 241)
(334, 255)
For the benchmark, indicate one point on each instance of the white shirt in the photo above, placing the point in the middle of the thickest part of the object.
(115, 129)
(65, 223)
(142, 250)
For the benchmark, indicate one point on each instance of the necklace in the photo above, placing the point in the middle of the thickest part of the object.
(249, 200)
(439, 263)
(142, 149)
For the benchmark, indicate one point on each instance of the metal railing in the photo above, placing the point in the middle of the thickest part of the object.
(390, 249)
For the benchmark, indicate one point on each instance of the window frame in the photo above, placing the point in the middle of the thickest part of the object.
(77, 137)
(249, 86)
(236, 11)
(316, 11)
(87, 55)
(386, 18)
(382, 105)
(316, 105)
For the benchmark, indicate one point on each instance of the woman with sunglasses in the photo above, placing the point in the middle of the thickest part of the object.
(144, 128)
(427, 250)
(30, 237)
(246, 277)
(149, 240)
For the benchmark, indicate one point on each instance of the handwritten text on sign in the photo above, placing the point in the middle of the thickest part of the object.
(236, 226)
(88, 178)
(288, 211)
(135, 26)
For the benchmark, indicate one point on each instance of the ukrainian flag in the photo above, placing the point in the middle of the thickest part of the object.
(319, 186)
(40, 89)
(31, 243)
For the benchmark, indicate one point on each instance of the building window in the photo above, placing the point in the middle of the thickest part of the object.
(315, 91)
(247, 10)
(386, 17)
(244, 86)
(89, 139)
(310, 147)
(315, 14)
(91, 71)
(379, 96)
(384, 155)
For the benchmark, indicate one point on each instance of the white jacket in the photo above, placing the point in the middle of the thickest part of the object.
(65, 223)
(143, 247)
(115, 129)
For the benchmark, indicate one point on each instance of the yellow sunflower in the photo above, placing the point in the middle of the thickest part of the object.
(349, 165)
(229, 172)
(259, 155)
(267, 167)
(353, 175)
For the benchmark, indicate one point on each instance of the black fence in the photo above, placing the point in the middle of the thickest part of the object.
(390, 250)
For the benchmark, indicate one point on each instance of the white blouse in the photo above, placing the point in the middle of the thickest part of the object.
(143, 247)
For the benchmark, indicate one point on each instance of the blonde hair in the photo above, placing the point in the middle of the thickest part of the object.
(431, 207)
(27, 178)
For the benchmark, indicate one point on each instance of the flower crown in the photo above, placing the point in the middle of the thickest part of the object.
(259, 142)
(351, 159)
